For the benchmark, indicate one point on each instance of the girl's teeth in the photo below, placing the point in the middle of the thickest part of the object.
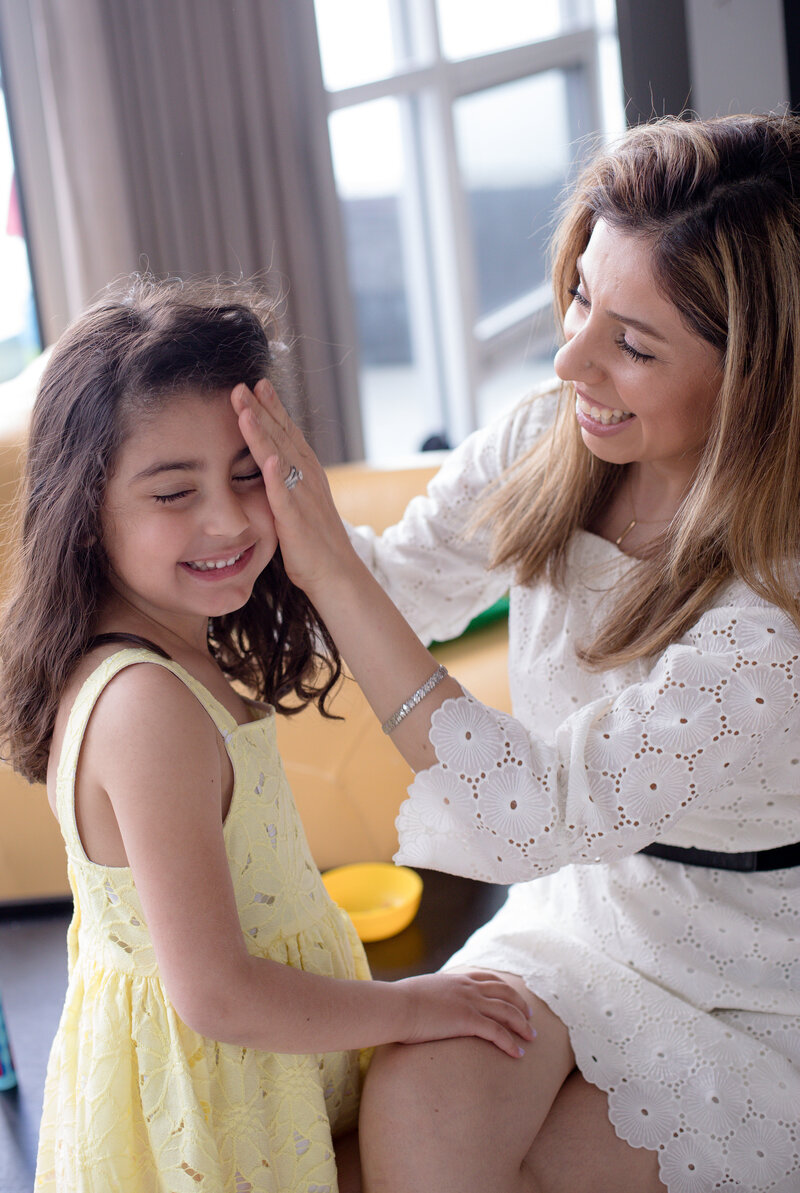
(602, 414)
(208, 566)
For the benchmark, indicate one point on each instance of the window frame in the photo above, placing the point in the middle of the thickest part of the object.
(451, 343)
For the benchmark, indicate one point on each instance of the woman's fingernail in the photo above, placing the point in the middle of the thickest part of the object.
(530, 1010)
(533, 1033)
(520, 1052)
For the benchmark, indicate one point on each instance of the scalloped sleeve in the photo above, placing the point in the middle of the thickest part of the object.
(433, 569)
(701, 750)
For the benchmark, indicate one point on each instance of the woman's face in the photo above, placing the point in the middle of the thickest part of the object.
(645, 384)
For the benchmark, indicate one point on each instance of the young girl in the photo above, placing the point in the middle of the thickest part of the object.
(216, 1006)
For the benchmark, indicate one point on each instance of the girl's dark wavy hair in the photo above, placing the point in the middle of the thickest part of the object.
(140, 345)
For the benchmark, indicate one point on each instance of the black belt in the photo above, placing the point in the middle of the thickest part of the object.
(781, 858)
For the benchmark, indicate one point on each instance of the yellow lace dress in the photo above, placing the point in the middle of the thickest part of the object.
(136, 1101)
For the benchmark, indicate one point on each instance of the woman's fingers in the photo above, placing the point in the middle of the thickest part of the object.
(269, 431)
(312, 538)
(270, 427)
(259, 434)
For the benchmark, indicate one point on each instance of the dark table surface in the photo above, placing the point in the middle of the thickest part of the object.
(450, 910)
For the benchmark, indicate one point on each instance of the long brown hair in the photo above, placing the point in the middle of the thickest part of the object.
(718, 203)
(139, 346)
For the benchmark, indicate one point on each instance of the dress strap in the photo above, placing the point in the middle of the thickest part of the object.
(83, 707)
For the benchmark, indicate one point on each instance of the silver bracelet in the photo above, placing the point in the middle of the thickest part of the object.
(412, 702)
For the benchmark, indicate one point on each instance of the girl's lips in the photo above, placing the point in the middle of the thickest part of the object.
(209, 575)
(598, 426)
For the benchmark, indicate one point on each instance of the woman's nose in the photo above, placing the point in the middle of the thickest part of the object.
(575, 361)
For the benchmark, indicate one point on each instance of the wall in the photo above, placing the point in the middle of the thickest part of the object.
(737, 56)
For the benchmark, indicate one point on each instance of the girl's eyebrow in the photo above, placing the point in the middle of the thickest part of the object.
(182, 466)
(628, 320)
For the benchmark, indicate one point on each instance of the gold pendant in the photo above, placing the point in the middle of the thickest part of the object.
(627, 530)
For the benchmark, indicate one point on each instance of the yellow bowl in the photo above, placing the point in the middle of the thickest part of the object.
(381, 899)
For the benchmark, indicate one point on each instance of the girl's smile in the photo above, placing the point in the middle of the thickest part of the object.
(220, 569)
(186, 525)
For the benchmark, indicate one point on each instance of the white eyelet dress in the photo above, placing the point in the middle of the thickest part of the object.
(680, 985)
(135, 1100)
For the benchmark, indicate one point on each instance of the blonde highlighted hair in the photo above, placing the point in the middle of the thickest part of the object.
(718, 203)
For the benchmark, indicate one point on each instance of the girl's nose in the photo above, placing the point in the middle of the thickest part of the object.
(226, 516)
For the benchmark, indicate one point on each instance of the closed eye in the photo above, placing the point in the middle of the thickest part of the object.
(581, 299)
(165, 498)
(622, 343)
(251, 476)
(632, 352)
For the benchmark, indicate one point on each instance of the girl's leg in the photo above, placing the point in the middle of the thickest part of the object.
(460, 1117)
(348, 1163)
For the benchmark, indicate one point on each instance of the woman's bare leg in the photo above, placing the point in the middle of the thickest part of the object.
(460, 1117)
(578, 1151)
(348, 1163)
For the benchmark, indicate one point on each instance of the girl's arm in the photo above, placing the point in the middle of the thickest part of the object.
(155, 751)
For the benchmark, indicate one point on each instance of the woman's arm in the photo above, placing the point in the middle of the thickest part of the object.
(155, 751)
(384, 654)
(433, 563)
(494, 800)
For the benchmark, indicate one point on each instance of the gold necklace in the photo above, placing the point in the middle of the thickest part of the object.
(634, 520)
(626, 531)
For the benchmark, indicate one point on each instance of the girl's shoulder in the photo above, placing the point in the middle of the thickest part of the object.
(132, 734)
(117, 698)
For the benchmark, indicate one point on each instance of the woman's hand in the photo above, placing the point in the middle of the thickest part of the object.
(479, 1003)
(314, 543)
(382, 652)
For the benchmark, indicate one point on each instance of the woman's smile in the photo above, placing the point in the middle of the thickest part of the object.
(645, 384)
(597, 418)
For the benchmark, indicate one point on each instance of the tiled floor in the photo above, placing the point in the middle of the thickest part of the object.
(33, 974)
(33, 977)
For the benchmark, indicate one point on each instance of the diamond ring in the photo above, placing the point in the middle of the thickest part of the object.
(294, 477)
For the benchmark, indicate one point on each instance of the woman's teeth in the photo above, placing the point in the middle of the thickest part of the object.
(203, 565)
(602, 414)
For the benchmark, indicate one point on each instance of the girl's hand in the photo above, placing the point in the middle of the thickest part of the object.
(444, 1005)
(312, 537)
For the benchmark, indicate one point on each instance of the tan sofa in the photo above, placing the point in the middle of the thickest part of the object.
(347, 778)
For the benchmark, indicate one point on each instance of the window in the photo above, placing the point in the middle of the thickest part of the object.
(454, 126)
(19, 334)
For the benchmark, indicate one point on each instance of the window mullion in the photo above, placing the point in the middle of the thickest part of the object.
(417, 245)
(451, 261)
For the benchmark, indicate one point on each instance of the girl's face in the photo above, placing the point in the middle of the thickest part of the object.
(186, 523)
(645, 384)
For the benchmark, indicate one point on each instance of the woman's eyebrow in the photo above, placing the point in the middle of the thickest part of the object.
(182, 466)
(628, 320)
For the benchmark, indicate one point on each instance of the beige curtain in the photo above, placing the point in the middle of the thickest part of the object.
(185, 137)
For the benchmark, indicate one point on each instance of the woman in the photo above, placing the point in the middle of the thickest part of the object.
(649, 529)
